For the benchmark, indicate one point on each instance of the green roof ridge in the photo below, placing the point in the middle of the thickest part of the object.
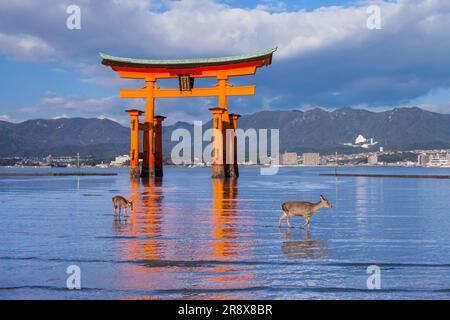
(187, 61)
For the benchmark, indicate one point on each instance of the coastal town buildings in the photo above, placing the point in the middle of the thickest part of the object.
(372, 159)
(425, 158)
(289, 159)
(311, 159)
(120, 161)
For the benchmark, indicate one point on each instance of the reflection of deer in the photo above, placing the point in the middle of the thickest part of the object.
(303, 249)
(120, 203)
(304, 209)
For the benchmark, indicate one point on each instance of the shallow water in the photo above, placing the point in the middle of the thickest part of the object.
(191, 238)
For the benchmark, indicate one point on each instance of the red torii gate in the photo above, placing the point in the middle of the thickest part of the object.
(186, 70)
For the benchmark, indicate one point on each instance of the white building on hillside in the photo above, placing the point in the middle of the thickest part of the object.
(362, 142)
(120, 161)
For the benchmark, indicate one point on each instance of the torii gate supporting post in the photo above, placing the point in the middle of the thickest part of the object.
(233, 148)
(134, 143)
(218, 168)
(157, 125)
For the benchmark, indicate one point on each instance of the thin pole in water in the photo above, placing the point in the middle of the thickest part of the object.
(335, 168)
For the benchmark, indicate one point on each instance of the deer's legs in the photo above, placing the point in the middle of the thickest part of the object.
(288, 221)
(308, 222)
(280, 220)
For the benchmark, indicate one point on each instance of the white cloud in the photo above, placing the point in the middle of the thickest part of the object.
(4, 117)
(62, 116)
(187, 27)
(25, 47)
(55, 103)
(203, 27)
(439, 108)
(123, 121)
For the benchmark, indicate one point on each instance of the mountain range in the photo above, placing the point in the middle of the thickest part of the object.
(301, 131)
(101, 138)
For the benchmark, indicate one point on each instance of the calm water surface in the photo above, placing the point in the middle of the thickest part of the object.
(191, 238)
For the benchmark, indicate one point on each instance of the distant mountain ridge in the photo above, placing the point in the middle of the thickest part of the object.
(313, 130)
(101, 138)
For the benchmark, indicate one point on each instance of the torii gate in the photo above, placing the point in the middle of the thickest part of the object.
(186, 70)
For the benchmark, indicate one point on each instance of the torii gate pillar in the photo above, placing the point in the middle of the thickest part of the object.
(134, 142)
(232, 148)
(157, 126)
(218, 168)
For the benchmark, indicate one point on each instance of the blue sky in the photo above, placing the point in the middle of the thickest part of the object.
(327, 56)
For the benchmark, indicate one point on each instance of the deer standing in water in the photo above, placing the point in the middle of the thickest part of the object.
(304, 209)
(120, 203)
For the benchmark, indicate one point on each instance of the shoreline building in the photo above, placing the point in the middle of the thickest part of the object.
(423, 159)
(289, 159)
(311, 159)
(120, 161)
(372, 159)
(438, 160)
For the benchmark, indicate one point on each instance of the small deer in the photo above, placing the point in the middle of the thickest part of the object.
(304, 209)
(121, 203)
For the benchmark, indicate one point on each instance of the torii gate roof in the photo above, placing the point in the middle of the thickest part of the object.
(264, 58)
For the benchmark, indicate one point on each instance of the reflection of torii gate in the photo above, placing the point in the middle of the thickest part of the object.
(186, 70)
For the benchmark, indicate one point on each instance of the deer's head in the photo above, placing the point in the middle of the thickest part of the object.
(325, 202)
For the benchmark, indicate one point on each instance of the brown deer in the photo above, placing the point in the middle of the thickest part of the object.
(304, 209)
(121, 203)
